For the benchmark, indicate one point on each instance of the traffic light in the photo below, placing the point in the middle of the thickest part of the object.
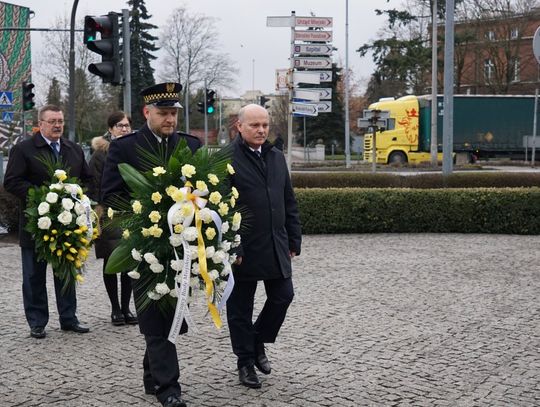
(27, 96)
(200, 107)
(108, 46)
(210, 101)
(263, 100)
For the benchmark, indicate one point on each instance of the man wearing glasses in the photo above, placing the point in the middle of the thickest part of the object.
(25, 170)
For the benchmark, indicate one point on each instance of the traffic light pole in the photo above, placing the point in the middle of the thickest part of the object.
(205, 116)
(71, 102)
(126, 56)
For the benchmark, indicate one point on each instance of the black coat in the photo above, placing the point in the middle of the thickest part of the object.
(124, 150)
(24, 171)
(271, 223)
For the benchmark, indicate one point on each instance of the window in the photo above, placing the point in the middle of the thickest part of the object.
(489, 70)
(514, 70)
(490, 35)
(514, 33)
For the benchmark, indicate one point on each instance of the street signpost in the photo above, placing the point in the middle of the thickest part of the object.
(312, 49)
(316, 22)
(309, 77)
(311, 35)
(306, 109)
(307, 94)
(6, 99)
(312, 62)
(324, 106)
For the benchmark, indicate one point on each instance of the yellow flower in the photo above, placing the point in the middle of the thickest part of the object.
(70, 257)
(178, 228)
(201, 185)
(234, 192)
(46, 238)
(223, 209)
(78, 231)
(215, 197)
(210, 233)
(232, 202)
(158, 171)
(79, 277)
(154, 216)
(73, 250)
(145, 232)
(84, 241)
(110, 213)
(67, 232)
(52, 239)
(230, 169)
(213, 179)
(83, 253)
(84, 228)
(156, 197)
(59, 252)
(237, 218)
(137, 207)
(67, 244)
(78, 264)
(170, 190)
(188, 170)
(178, 196)
(54, 231)
(186, 210)
(125, 234)
(61, 175)
(155, 230)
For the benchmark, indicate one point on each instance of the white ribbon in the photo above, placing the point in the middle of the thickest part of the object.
(88, 211)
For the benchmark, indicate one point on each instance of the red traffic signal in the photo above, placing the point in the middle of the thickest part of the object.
(108, 46)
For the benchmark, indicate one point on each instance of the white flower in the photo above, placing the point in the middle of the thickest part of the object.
(194, 282)
(190, 233)
(56, 187)
(206, 215)
(177, 218)
(195, 269)
(60, 174)
(79, 208)
(81, 220)
(44, 222)
(194, 252)
(150, 258)
(136, 255)
(153, 295)
(237, 219)
(225, 272)
(175, 240)
(134, 274)
(52, 197)
(224, 227)
(237, 240)
(188, 170)
(210, 251)
(65, 217)
(213, 274)
(173, 294)
(232, 258)
(67, 204)
(222, 284)
(43, 208)
(219, 256)
(162, 288)
(72, 189)
(176, 265)
(156, 267)
(225, 245)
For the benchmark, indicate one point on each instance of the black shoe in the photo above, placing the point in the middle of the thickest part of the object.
(117, 318)
(261, 361)
(130, 318)
(248, 377)
(174, 401)
(38, 332)
(77, 327)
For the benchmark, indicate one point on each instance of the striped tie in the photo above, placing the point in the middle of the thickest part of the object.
(56, 149)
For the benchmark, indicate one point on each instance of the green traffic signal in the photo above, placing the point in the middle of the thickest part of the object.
(210, 109)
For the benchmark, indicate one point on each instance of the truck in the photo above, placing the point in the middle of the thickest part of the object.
(484, 127)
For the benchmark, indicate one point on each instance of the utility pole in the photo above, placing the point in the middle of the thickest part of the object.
(126, 55)
(434, 104)
(448, 118)
(71, 102)
(347, 125)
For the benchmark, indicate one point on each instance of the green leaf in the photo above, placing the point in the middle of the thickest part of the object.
(133, 178)
(120, 260)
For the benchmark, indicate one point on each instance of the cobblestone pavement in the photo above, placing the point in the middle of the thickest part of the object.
(378, 320)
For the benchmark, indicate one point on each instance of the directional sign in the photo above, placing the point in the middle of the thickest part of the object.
(324, 76)
(282, 82)
(6, 98)
(324, 107)
(323, 93)
(7, 117)
(313, 78)
(313, 35)
(307, 94)
(285, 21)
(313, 21)
(304, 109)
(312, 63)
(312, 49)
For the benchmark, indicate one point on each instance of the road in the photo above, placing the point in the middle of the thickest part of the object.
(377, 320)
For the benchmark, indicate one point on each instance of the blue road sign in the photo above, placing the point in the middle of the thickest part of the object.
(7, 117)
(6, 98)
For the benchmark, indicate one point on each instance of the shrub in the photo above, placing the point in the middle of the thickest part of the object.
(9, 210)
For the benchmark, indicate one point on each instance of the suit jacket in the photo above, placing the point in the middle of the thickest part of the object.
(125, 149)
(271, 223)
(24, 171)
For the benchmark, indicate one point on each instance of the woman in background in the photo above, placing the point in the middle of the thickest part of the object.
(119, 125)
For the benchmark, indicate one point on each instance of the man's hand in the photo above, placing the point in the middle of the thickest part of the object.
(238, 261)
(292, 254)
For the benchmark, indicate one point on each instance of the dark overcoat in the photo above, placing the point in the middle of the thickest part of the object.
(152, 321)
(271, 223)
(109, 237)
(24, 171)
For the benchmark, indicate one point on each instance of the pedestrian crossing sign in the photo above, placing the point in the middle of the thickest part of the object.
(7, 117)
(6, 98)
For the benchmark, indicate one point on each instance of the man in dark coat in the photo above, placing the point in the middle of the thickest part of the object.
(271, 237)
(160, 363)
(23, 172)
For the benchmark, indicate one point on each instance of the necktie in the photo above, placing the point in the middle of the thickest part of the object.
(261, 160)
(56, 149)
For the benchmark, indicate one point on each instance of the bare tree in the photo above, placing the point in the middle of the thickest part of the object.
(191, 52)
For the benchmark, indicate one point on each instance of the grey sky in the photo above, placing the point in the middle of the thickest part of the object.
(258, 50)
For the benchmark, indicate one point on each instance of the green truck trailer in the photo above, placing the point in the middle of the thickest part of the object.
(485, 126)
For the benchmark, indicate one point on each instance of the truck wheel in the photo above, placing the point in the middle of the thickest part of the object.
(397, 157)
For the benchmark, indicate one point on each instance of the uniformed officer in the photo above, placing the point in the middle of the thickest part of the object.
(157, 135)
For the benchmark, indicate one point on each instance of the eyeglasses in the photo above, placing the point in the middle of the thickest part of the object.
(59, 122)
(121, 126)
